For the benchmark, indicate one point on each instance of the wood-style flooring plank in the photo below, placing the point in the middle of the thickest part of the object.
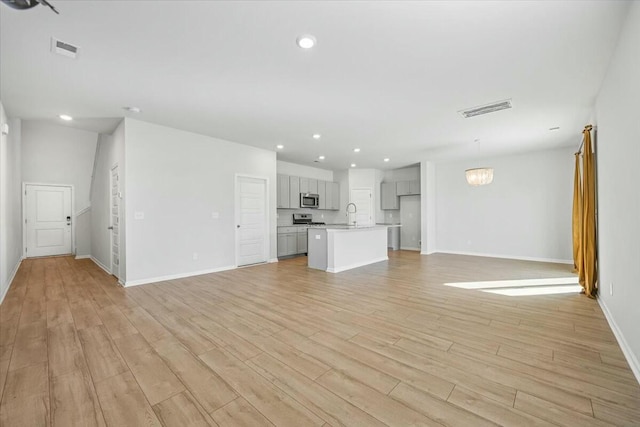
(182, 410)
(239, 413)
(273, 403)
(123, 403)
(156, 380)
(103, 358)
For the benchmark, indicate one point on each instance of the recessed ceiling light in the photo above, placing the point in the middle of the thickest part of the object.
(306, 41)
(65, 117)
(555, 128)
(132, 109)
(386, 159)
(317, 136)
(279, 146)
(356, 150)
(353, 165)
(321, 157)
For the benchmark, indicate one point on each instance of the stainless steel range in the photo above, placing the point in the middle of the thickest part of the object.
(304, 219)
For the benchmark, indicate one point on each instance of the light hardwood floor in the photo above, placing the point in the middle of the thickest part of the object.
(279, 344)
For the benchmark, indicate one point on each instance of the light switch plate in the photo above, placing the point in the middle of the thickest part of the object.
(138, 215)
(215, 215)
(317, 237)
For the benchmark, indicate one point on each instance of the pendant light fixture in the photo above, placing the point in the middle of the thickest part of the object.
(479, 176)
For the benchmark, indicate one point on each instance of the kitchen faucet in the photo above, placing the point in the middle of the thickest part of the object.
(355, 209)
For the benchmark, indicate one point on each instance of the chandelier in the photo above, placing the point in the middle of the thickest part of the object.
(479, 176)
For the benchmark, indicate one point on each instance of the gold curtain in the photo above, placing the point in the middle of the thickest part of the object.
(577, 217)
(589, 217)
(584, 218)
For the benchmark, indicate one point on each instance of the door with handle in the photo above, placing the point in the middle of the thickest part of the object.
(251, 225)
(48, 222)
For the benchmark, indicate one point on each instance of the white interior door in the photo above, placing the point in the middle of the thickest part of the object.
(115, 222)
(362, 198)
(48, 220)
(251, 233)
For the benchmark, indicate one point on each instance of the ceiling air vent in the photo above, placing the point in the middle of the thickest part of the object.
(64, 49)
(486, 109)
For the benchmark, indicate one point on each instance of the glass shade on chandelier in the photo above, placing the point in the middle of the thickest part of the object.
(479, 176)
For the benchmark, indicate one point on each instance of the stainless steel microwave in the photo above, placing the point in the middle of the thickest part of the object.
(308, 200)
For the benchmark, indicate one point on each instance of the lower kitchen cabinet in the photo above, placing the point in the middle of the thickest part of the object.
(287, 244)
(292, 241)
(302, 242)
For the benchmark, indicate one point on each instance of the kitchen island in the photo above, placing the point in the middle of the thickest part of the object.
(339, 248)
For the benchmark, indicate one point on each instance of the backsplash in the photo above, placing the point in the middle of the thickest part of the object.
(285, 216)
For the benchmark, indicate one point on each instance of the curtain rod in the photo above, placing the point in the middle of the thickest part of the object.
(582, 143)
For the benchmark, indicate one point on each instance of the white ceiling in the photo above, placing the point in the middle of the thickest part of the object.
(387, 77)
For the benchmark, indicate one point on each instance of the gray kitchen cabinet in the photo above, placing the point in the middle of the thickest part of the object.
(328, 195)
(389, 195)
(322, 194)
(408, 188)
(313, 186)
(302, 242)
(294, 192)
(304, 185)
(335, 200)
(287, 244)
(283, 192)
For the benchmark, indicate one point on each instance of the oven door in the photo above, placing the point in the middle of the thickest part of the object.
(308, 200)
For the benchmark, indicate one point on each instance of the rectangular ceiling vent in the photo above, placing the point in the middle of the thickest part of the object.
(486, 109)
(64, 49)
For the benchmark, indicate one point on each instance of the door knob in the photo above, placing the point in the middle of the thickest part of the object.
(238, 226)
(110, 228)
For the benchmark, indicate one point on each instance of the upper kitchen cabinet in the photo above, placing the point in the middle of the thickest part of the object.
(322, 194)
(389, 195)
(309, 185)
(294, 192)
(335, 196)
(284, 201)
(290, 187)
(407, 188)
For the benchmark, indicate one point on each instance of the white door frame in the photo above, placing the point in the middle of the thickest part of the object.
(110, 216)
(24, 214)
(372, 208)
(267, 216)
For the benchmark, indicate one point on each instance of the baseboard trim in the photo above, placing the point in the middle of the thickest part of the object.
(409, 249)
(356, 265)
(139, 282)
(519, 258)
(83, 256)
(10, 280)
(273, 260)
(99, 264)
(626, 349)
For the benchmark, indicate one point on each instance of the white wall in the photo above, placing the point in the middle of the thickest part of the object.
(10, 202)
(525, 213)
(54, 154)
(295, 169)
(618, 154)
(177, 179)
(110, 152)
(428, 210)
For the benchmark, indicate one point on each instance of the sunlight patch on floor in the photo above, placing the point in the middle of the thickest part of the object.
(523, 287)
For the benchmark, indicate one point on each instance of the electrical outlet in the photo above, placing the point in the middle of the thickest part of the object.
(195, 256)
(611, 288)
